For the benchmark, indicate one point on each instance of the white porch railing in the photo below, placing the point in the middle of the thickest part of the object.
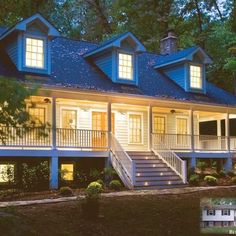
(232, 143)
(178, 165)
(122, 163)
(210, 142)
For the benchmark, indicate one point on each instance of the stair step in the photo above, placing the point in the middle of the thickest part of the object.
(152, 169)
(143, 161)
(154, 165)
(158, 183)
(156, 173)
(141, 153)
(161, 187)
(153, 178)
(144, 158)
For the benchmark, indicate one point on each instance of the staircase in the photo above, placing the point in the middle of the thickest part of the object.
(152, 172)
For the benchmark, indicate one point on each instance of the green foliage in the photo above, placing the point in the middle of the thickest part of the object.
(231, 173)
(94, 174)
(115, 185)
(216, 175)
(109, 173)
(35, 177)
(66, 191)
(82, 177)
(201, 165)
(100, 181)
(233, 180)
(93, 190)
(194, 180)
(210, 180)
(8, 173)
(222, 173)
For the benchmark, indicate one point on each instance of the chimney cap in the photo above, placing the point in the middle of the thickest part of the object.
(170, 33)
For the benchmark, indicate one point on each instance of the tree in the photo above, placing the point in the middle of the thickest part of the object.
(13, 111)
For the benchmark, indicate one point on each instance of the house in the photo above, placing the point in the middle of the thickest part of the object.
(219, 216)
(149, 116)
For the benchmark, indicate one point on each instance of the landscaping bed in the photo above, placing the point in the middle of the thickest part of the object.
(127, 215)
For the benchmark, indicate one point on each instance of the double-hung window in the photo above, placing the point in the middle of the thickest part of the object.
(211, 212)
(34, 53)
(125, 66)
(135, 128)
(195, 77)
(225, 212)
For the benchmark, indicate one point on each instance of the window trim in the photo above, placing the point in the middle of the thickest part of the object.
(40, 106)
(208, 212)
(202, 76)
(142, 126)
(36, 107)
(225, 210)
(44, 52)
(133, 67)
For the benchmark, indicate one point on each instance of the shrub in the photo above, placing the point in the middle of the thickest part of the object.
(115, 185)
(109, 173)
(210, 180)
(233, 180)
(231, 173)
(215, 174)
(66, 191)
(93, 190)
(81, 177)
(94, 174)
(100, 181)
(222, 173)
(201, 165)
(191, 171)
(194, 180)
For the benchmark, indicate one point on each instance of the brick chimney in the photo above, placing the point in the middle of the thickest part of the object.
(168, 44)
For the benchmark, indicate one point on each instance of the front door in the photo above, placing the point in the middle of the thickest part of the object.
(182, 131)
(99, 123)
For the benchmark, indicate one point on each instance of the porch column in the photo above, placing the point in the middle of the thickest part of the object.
(54, 172)
(193, 162)
(54, 125)
(109, 128)
(192, 130)
(228, 165)
(150, 127)
(227, 131)
(219, 133)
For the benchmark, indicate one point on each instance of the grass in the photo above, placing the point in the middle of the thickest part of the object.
(218, 230)
(140, 215)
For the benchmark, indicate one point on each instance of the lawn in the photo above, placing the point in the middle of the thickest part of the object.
(219, 230)
(141, 215)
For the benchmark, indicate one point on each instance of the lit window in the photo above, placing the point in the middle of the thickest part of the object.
(37, 115)
(69, 119)
(195, 77)
(67, 171)
(159, 124)
(6, 173)
(125, 66)
(34, 53)
(135, 128)
(225, 213)
(211, 212)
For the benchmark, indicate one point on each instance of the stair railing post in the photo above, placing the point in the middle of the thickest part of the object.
(133, 173)
(184, 172)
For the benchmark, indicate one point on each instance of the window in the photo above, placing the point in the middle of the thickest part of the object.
(211, 212)
(125, 66)
(225, 223)
(37, 115)
(6, 173)
(69, 119)
(225, 212)
(34, 53)
(67, 172)
(159, 124)
(135, 128)
(195, 77)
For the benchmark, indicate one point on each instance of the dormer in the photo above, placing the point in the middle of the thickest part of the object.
(28, 44)
(117, 58)
(187, 68)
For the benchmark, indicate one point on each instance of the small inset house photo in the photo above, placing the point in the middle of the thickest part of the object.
(218, 215)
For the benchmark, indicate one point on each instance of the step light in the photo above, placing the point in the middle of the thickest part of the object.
(153, 165)
(169, 182)
(161, 173)
(138, 174)
(146, 184)
(146, 158)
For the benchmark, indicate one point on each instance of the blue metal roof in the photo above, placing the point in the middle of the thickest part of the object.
(71, 69)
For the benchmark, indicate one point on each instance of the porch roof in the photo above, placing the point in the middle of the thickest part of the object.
(71, 69)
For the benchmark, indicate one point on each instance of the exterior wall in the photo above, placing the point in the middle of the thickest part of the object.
(217, 216)
(104, 62)
(12, 51)
(177, 74)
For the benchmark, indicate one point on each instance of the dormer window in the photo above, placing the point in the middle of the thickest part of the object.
(125, 66)
(195, 77)
(34, 53)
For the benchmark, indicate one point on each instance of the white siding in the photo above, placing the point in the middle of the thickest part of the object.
(217, 216)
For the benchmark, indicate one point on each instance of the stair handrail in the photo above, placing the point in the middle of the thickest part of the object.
(170, 158)
(122, 162)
